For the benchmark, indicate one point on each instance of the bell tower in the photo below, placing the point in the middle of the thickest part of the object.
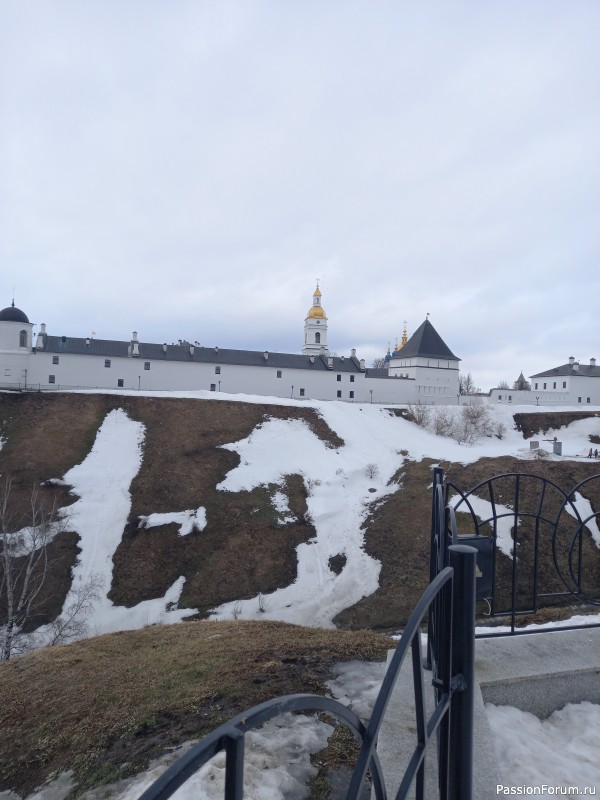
(315, 327)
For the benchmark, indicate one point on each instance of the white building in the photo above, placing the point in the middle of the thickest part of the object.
(422, 369)
(569, 384)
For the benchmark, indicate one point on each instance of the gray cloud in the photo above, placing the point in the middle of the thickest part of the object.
(189, 170)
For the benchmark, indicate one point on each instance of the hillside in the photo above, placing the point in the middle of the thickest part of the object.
(196, 507)
(340, 492)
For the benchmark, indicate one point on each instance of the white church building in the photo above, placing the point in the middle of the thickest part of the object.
(421, 368)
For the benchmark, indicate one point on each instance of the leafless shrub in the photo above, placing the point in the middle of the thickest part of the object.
(419, 413)
(443, 421)
(372, 470)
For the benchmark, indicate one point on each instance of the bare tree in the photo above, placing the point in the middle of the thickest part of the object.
(503, 385)
(72, 622)
(379, 363)
(25, 567)
(466, 384)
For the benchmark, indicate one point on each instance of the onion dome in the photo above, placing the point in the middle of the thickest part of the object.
(316, 311)
(13, 314)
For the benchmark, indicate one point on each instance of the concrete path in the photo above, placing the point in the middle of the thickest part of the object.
(539, 673)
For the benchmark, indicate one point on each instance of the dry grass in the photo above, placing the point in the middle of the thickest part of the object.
(123, 698)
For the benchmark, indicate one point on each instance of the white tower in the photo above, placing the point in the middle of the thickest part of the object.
(15, 346)
(315, 327)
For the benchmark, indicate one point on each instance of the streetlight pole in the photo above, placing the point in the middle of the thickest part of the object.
(371, 390)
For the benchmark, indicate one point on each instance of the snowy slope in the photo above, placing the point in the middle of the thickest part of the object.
(342, 485)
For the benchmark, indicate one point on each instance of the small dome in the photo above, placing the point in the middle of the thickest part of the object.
(316, 312)
(387, 357)
(12, 314)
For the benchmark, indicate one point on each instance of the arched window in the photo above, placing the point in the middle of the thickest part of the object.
(317, 338)
(23, 339)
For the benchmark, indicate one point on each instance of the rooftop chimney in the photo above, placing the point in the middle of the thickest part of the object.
(353, 352)
(592, 362)
(312, 359)
(87, 342)
(216, 349)
(266, 355)
(191, 349)
(362, 364)
(576, 366)
(134, 336)
(330, 362)
(571, 359)
(164, 347)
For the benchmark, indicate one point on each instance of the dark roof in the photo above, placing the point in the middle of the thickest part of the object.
(109, 348)
(12, 314)
(426, 342)
(583, 370)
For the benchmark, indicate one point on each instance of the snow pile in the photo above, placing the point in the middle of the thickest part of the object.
(559, 751)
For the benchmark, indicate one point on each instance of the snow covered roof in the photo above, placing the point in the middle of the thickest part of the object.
(186, 352)
(426, 342)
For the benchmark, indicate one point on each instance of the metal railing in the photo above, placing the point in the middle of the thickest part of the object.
(450, 724)
(552, 556)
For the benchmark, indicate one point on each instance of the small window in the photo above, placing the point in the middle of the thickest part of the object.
(7, 373)
(339, 377)
(23, 339)
(564, 384)
(213, 387)
(317, 338)
(554, 385)
(587, 400)
(120, 382)
(579, 399)
(510, 398)
(301, 392)
(339, 392)
(279, 373)
(52, 379)
(351, 395)
(499, 397)
(107, 362)
(217, 370)
(146, 365)
(535, 387)
(55, 359)
(351, 378)
(544, 386)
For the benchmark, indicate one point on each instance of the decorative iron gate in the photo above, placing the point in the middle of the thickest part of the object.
(537, 544)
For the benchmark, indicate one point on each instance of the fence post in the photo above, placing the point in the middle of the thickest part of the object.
(462, 559)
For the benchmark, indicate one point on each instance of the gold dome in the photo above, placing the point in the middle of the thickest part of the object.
(316, 312)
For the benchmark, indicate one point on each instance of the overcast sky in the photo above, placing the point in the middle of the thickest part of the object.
(189, 169)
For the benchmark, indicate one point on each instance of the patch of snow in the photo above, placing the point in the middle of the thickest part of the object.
(483, 509)
(281, 505)
(561, 751)
(99, 517)
(587, 514)
(188, 521)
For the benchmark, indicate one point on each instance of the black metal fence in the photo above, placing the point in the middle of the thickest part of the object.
(537, 544)
(450, 602)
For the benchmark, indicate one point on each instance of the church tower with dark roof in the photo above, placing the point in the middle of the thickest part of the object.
(426, 359)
